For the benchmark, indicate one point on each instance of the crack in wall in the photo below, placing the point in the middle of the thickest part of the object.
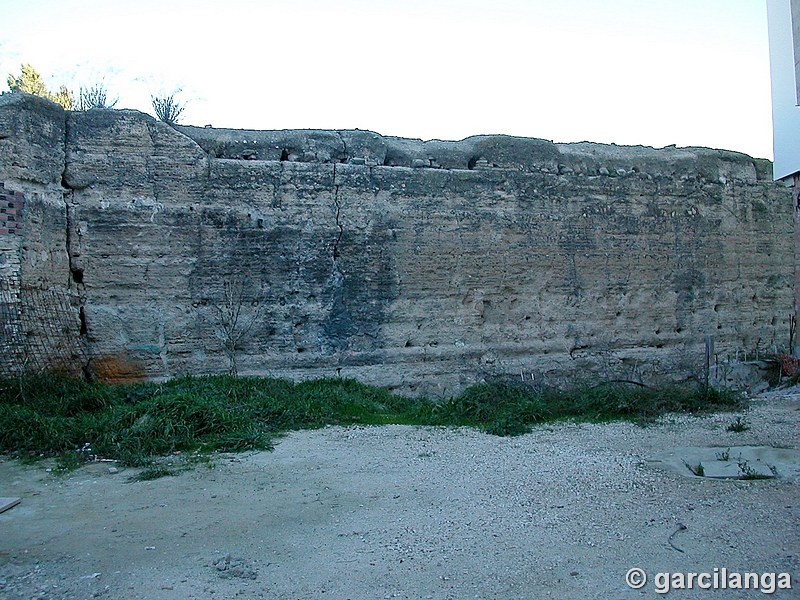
(75, 274)
(344, 147)
(336, 200)
(339, 326)
(67, 195)
(151, 177)
(68, 239)
(338, 216)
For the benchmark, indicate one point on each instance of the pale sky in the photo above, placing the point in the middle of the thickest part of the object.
(632, 72)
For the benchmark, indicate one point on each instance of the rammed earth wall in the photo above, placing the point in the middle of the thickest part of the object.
(422, 266)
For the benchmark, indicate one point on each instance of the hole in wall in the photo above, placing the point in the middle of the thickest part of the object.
(472, 162)
(260, 223)
(301, 350)
(82, 317)
(284, 154)
(77, 276)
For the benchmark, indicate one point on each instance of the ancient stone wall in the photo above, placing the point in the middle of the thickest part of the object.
(421, 266)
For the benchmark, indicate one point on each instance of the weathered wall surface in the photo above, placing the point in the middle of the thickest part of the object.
(422, 266)
(40, 315)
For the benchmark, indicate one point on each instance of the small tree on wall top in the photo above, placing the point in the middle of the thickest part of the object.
(30, 82)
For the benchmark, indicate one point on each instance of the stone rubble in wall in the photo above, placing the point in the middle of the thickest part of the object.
(363, 148)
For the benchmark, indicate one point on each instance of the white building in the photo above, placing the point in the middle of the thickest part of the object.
(784, 57)
(784, 53)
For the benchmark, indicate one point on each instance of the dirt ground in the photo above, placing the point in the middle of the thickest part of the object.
(416, 513)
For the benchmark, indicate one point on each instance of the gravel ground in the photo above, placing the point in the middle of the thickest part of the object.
(414, 512)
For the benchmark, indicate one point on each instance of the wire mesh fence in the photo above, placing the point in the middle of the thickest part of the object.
(42, 330)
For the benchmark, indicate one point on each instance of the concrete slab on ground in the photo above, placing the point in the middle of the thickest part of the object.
(8, 503)
(734, 462)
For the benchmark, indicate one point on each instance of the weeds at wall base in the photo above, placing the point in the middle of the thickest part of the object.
(49, 416)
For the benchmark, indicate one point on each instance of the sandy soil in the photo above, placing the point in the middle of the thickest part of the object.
(407, 512)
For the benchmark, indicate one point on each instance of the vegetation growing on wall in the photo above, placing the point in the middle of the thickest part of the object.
(168, 108)
(94, 96)
(30, 81)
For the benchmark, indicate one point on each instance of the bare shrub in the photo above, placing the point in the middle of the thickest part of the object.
(95, 96)
(168, 108)
(234, 315)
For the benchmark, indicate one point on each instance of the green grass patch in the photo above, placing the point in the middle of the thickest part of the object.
(156, 471)
(740, 425)
(50, 416)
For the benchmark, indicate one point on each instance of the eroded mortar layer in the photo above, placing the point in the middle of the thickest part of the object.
(422, 266)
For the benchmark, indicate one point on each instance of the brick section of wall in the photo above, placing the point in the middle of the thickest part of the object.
(12, 205)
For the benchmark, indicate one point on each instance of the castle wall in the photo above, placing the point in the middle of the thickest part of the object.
(421, 266)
